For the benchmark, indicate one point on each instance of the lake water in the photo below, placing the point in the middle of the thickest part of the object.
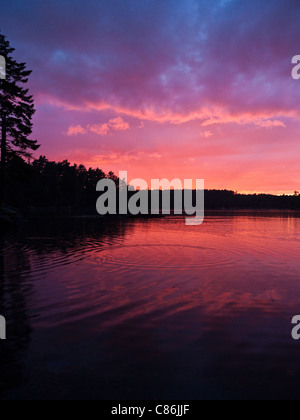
(151, 309)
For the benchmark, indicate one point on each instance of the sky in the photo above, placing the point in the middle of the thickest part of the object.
(187, 89)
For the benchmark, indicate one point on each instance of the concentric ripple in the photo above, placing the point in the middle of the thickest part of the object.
(164, 257)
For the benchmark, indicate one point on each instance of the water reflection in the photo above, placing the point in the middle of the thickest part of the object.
(153, 309)
(15, 292)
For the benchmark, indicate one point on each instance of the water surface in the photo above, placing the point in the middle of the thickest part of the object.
(151, 309)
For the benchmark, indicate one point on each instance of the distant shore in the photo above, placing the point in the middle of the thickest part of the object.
(12, 217)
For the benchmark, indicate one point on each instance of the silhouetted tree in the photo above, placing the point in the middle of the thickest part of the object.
(16, 112)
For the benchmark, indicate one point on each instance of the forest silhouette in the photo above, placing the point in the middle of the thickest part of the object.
(64, 188)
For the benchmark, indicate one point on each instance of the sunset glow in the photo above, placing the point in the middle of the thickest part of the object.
(169, 89)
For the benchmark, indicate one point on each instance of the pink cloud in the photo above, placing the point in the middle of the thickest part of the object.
(74, 130)
(100, 129)
(221, 117)
(115, 124)
(270, 124)
(118, 124)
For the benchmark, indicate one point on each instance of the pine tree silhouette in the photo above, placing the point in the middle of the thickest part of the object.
(16, 112)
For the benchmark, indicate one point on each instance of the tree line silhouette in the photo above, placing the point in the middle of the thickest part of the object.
(62, 186)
